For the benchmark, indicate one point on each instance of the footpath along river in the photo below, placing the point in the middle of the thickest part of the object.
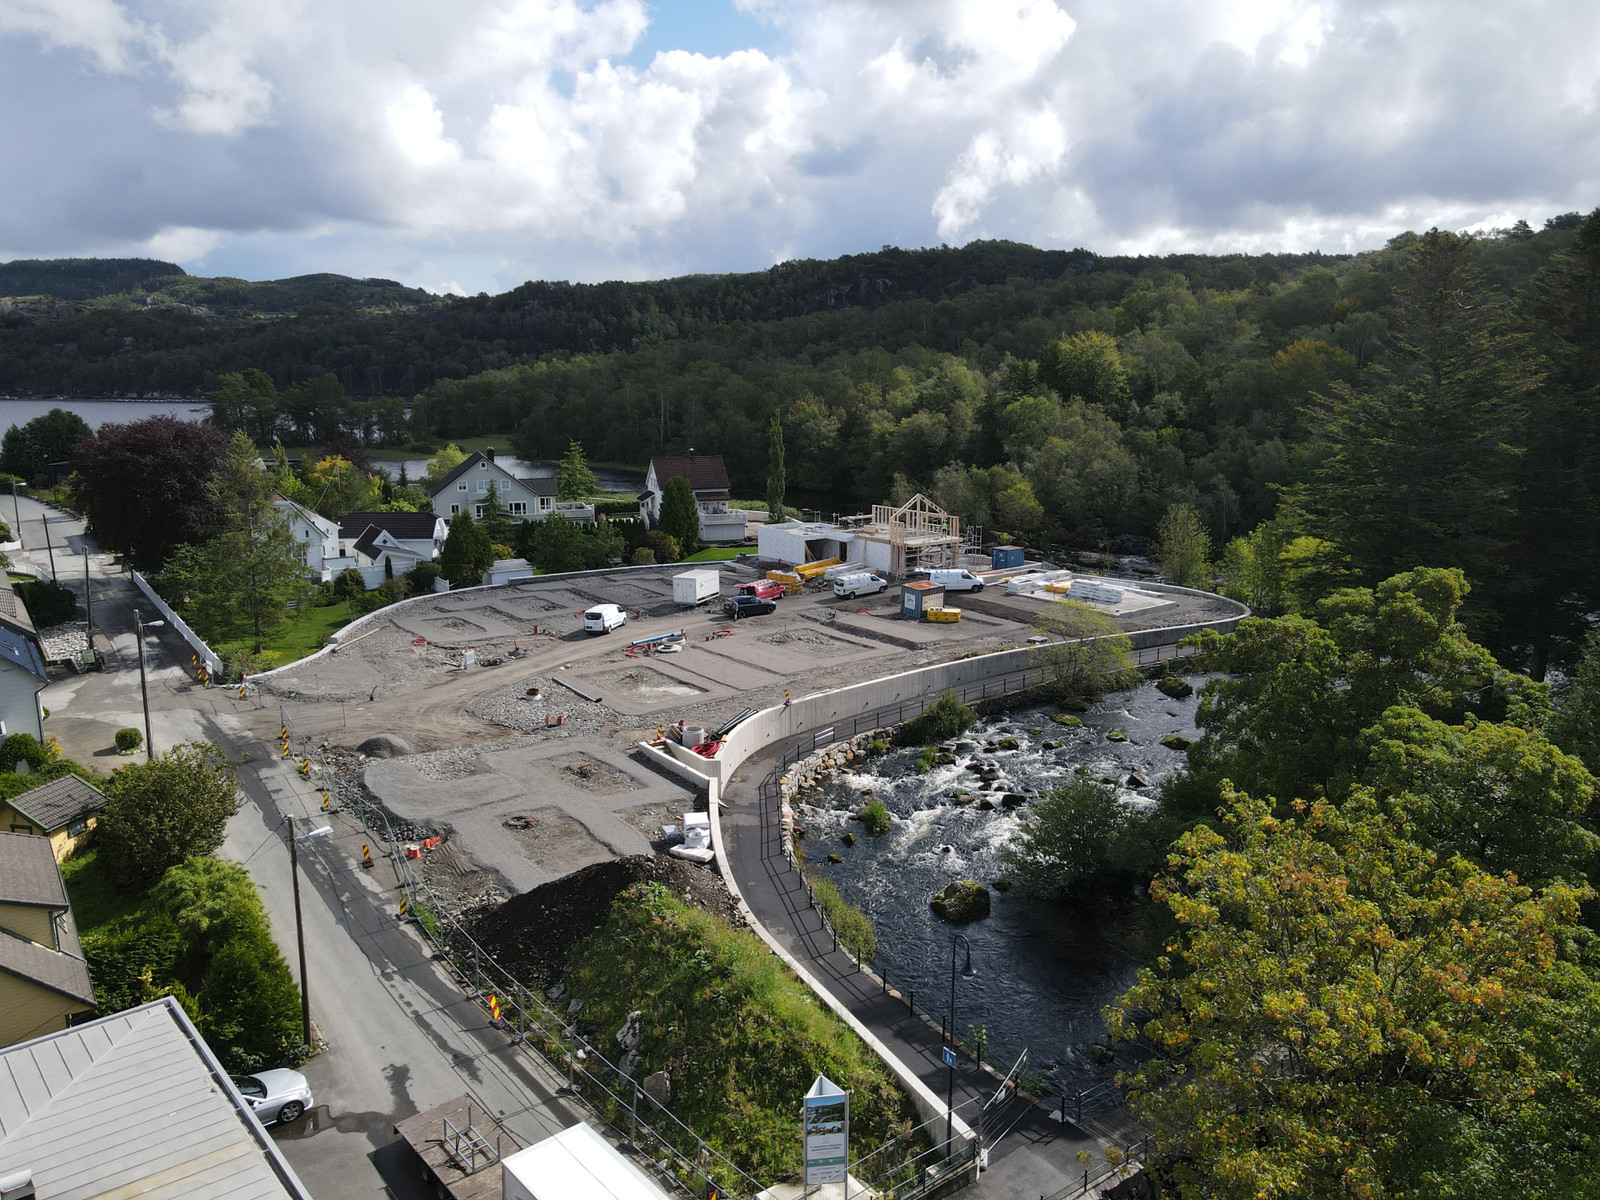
(1045, 971)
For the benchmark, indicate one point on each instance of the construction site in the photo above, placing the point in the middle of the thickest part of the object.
(893, 539)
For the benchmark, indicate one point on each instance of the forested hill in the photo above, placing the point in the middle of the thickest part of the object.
(127, 283)
(175, 333)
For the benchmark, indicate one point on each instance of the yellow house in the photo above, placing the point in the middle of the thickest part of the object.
(64, 810)
(44, 980)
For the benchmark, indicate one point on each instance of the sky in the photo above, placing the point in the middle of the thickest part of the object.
(472, 145)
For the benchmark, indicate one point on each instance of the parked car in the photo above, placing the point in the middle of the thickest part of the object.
(276, 1097)
(763, 589)
(747, 606)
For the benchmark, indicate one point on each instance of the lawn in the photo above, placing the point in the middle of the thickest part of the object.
(306, 632)
(97, 900)
(717, 554)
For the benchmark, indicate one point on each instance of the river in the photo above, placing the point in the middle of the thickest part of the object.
(1044, 971)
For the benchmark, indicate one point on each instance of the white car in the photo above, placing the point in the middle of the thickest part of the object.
(275, 1096)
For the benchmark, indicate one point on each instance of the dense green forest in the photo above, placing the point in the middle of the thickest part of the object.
(1425, 404)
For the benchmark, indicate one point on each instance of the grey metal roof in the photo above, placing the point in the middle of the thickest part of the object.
(134, 1105)
(542, 485)
(59, 803)
(28, 872)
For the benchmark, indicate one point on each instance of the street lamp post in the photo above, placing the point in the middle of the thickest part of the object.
(144, 692)
(299, 924)
(967, 972)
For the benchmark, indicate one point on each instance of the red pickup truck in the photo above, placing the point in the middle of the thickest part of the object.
(762, 589)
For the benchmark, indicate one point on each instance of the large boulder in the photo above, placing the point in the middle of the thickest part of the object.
(962, 901)
(1171, 685)
(385, 745)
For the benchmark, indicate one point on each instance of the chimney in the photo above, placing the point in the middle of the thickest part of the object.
(488, 452)
(18, 1185)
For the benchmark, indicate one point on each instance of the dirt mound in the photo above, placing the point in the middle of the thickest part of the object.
(385, 745)
(531, 933)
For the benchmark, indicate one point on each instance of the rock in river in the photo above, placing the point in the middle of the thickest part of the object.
(962, 901)
(1171, 685)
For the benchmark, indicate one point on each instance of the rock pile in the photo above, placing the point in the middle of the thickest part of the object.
(812, 770)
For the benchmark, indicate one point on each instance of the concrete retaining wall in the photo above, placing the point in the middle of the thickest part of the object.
(196, 642)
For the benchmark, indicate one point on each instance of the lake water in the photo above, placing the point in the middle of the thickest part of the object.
(1045, 971)
(102, 412)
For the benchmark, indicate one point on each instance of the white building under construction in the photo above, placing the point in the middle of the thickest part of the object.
(892, 540)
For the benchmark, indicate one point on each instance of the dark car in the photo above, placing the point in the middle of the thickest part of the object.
(747, 606)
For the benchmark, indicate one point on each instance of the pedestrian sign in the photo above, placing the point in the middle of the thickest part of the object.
(949, 1056)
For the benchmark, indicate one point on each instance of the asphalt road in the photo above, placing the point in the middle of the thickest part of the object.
(397, 1036)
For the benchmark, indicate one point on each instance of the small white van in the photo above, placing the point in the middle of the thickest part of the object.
(952, 579)
(861, 583)
(603, 618)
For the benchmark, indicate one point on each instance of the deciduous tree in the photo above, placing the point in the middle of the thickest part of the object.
(776, 474)
(1183, 547)
(162, 812)
(467, 552)
(30, 450)
(143, 486)
(1342, 1013)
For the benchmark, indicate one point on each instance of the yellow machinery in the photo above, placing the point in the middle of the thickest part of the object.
(814, 570)
(791, 582)
(943, 616)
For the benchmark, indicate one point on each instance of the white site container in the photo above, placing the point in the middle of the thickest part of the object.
(575, 1164)
(1096, 591)
(696, 587)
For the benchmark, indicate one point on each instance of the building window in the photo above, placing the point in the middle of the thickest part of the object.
(544, 502)
(483, 485)
(461, 485)
(477, 511)
(518, 508)
(78, 828)
(454, 509)
(22, 829)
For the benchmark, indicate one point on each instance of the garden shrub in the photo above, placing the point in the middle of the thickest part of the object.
(22, 747)
(422, 576)
(348, 584)
(48, 603)
(128, 739)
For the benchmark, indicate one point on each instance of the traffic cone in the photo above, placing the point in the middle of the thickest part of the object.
(366, 856)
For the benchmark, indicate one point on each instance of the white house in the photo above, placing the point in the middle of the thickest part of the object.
(708, 479)
(318, 535)
(466, 489)
(422, 534)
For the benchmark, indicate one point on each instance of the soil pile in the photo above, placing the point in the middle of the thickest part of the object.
(530, 934)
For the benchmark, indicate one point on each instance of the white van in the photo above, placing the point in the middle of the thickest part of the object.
(603, 618)
(952, 579)
(862, 583)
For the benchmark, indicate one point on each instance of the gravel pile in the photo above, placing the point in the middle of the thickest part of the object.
(64, 641)
(445, 765)
(514, 709)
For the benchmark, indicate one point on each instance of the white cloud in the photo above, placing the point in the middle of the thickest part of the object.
(182, 244)
(527, 130)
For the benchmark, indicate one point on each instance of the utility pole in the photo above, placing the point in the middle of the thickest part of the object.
(16, 508)
(88, 604)
(299, 934)
(45, 521)
(299, 923)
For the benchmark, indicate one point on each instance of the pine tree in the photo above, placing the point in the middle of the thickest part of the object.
(574, 479)
(466, 553)
(679, 516)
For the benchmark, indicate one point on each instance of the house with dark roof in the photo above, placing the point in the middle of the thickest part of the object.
(22, 667)
(44, 980)
(134, 1104)
(708, 479)
(420, 535)
(64, 810)
(526, 498)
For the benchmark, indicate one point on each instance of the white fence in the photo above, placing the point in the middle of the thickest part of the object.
(196, 642)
